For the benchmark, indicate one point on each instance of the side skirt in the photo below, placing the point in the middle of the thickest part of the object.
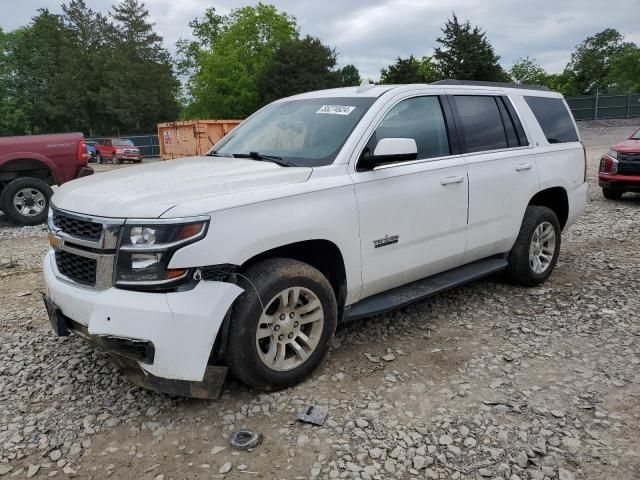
(421, 289)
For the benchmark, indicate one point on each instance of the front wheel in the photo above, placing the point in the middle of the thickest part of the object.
(611, 194)
(25, 200)
(535, 253)
(281, 327)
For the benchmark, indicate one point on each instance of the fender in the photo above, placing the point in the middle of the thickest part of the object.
(239, 234)
(45, 161)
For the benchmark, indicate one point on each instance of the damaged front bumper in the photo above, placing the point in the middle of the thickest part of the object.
(162, 341)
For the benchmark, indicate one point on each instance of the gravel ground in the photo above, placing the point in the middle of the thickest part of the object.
(485, 381)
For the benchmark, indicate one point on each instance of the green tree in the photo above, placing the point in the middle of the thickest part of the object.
(590, 63)
(410, 70)
(12, 115)
(41, 75)
(90, 34)
(465, 53)
(229, 57)
(527, 71)
(139, 86)
(624, 72)
(350, 76)
(299, 65)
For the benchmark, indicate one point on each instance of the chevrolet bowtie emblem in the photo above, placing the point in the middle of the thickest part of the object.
(55, 241)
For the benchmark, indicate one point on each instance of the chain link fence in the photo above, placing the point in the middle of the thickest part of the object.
(599, 107)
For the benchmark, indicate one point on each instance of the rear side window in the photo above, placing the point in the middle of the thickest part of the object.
(554, 119)
(482, 127)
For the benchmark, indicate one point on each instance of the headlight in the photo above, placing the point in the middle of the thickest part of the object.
(613, 154)
(119, 151)
(145, 251)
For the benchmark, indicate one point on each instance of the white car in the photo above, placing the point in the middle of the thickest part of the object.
(329, 205)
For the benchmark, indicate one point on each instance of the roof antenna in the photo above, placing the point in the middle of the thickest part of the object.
(364, 86)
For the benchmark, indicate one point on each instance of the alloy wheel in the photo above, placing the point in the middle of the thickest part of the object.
(542, 247)
(289, 329)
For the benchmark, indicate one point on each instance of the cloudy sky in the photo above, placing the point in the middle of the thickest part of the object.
(372, 33)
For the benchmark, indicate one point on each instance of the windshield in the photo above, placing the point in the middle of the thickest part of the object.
(307, 132)
(636, 136)
(123, 143)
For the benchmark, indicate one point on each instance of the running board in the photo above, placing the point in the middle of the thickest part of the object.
(419, 290)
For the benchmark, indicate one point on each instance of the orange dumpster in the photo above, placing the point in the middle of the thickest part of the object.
(191, 137)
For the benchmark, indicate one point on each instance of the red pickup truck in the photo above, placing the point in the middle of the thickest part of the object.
(117, 150)
(620, 168)
(29, 165)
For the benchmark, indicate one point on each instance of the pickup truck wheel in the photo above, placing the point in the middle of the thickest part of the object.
(535, 253)
(25, 200)
(612, 194)
(281, 326)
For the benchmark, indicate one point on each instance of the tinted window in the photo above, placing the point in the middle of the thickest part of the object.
(419, 118)
(554, 118)
(482, 127)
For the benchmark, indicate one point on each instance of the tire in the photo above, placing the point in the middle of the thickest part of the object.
(117, 161)
(33, 194)
(99, 158)
(249, 358)
(523, 268)
(611, 194)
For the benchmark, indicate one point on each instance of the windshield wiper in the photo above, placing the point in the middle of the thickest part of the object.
(263, 158)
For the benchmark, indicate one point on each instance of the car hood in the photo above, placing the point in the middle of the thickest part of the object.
(629, 145)
(147, 191)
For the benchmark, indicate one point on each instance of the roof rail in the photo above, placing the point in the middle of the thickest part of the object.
(478, 83)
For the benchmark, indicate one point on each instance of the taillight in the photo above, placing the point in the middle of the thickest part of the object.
(82, 155)
(608, 165)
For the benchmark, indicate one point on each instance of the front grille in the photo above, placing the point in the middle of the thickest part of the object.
(629, 168)
(76, 227)
(129, 151)
(631, 156)
(79, 269)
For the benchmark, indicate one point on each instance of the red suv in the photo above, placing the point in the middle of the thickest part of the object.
(117, 150)
(620, 168)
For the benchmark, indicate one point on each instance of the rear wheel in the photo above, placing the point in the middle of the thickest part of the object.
(26, 200)
(281, 326)
(612, 194)
(535, 253)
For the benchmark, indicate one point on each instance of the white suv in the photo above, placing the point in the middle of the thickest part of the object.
(328, 205)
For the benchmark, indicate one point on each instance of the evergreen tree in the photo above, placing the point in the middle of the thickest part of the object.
(465, 53)
(90, 34)
(298, 66)
(409, 70)
(139, 86)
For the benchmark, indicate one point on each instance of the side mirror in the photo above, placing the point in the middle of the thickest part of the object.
(389, 150)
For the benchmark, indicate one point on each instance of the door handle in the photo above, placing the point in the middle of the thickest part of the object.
(523, 166)
(450, 180)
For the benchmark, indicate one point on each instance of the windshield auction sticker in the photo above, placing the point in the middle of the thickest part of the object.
(336, 109)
